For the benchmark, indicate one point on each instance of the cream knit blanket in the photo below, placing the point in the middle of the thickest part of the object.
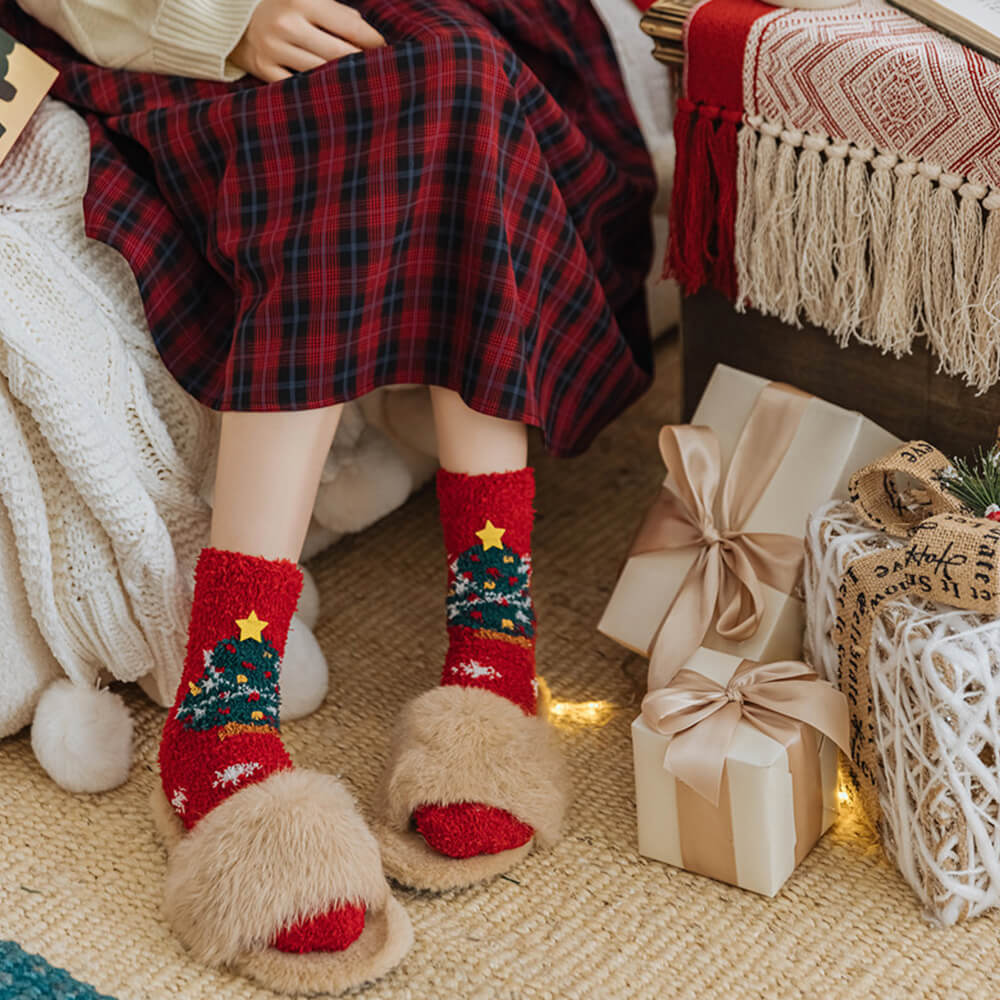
(104, 458)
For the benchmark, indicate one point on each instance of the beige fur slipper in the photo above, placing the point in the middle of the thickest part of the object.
(276, 852)
(456, 744)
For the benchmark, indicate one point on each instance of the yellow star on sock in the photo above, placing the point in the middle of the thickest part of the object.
(251, 628)
(490, 536)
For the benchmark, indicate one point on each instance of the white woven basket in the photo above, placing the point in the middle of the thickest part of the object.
(936, 688)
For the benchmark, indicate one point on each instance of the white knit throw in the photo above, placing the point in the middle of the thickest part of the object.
(104, 458)
(935, 678)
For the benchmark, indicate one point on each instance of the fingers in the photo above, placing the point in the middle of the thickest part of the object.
(292, 57)
(319, 43)
(270, 73)
(286, 36)
(344, 21)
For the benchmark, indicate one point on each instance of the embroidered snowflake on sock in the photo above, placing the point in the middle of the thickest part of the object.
(473, 669)
(179, 801)
(234, 774)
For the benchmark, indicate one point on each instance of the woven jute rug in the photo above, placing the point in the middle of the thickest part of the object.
(80, 877)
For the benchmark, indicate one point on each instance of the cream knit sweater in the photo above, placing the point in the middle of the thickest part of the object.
(181, 37)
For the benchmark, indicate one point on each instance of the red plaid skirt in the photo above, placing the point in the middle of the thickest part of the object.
(467, 206)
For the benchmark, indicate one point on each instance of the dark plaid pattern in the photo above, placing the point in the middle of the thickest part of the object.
(468, 206)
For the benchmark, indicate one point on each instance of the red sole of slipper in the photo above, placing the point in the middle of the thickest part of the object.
(467, 829)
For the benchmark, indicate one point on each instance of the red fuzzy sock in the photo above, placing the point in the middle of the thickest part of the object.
(223, 732)
(487, 523)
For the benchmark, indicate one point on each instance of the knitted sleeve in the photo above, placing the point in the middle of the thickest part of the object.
(180, 37)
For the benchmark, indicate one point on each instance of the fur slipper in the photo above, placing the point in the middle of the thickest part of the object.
(456, 744)
(275, 852)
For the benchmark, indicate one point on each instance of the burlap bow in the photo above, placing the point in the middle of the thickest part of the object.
(949, 556)
(702, 715)
(725, 578)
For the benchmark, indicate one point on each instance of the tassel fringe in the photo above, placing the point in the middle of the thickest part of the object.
(884, 250)
(865, 244)
(704, 200)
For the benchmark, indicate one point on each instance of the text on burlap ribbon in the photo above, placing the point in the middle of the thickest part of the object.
(725, 578)
(949, 556)
(786, 701)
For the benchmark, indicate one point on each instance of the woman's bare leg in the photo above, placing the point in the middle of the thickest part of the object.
(266, 479)
(223, 732)
(473, 443)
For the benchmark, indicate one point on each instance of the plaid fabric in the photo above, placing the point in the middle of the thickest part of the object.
(468, 206)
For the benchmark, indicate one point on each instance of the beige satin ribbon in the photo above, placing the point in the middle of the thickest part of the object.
(701, 715)
(706, 834)
(724, 581)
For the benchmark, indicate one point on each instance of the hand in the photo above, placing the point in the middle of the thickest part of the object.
(286, 35)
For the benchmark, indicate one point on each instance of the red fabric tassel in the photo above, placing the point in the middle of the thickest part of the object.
(703, 206)
(725, 152)
(698, 234)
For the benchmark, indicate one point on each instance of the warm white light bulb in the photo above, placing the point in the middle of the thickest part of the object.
(582, 713)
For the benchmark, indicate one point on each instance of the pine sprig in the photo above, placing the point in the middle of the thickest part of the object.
(976, 481)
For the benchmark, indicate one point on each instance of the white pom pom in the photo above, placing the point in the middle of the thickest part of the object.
(304, 673)
(82, 737)
(308, 609)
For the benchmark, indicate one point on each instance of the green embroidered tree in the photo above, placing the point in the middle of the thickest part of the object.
(489, 590)
(238, 692)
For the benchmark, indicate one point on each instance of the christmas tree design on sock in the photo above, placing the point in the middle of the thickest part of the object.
(487, 521)
(223, 732)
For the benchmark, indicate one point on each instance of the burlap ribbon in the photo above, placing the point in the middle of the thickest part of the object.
(949, 557)
(725, 578)
(786, 701)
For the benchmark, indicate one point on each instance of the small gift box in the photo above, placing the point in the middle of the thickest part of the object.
(718, 559)
(736, 768)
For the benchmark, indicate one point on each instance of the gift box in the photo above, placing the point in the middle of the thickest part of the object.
(732, 779)
(717, 560)
(925, 732)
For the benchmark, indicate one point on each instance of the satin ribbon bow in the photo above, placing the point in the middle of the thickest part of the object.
(724, 581)
(702, 715)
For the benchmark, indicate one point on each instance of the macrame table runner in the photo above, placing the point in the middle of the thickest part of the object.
(842, 167)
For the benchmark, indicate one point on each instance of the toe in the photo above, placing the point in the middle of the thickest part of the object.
(465, 829)
(334, 930)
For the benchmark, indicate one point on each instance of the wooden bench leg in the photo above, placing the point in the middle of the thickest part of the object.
(905, 395)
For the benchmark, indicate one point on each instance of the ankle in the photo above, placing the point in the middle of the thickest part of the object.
(472, 661)
(223, 731)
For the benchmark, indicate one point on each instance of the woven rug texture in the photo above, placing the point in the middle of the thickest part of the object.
(80, 877)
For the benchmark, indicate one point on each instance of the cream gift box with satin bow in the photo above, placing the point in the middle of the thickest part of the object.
(772, 776)
(798, 452)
